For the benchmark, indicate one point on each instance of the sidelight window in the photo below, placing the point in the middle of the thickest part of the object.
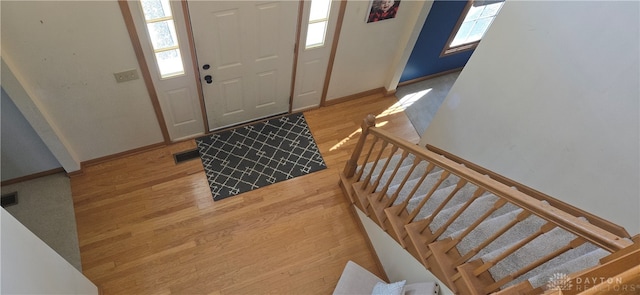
(318, 21)
(164, 40)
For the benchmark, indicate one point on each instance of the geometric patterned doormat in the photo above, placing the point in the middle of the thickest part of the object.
(253, 156)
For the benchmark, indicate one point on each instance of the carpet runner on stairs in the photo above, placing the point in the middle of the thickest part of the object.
(583, 255)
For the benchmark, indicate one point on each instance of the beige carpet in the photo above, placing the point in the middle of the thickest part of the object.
(45, 207)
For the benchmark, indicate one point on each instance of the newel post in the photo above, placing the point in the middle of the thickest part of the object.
(352, 163)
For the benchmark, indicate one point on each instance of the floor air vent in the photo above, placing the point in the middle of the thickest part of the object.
(186, 156)
(9, 199)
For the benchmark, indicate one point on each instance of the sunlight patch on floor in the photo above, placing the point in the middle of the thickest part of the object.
(344, 140)
(404, 102)
(401, 105)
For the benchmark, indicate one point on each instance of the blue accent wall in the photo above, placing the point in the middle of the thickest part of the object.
(425, 58)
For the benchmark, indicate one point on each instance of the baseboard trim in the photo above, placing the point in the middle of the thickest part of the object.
(100, 160)
(376, 259)
(420, 79)
(305, 109)
(75, 173)
(387, 92)
(596, 220)
(380, 90)
(32, 176)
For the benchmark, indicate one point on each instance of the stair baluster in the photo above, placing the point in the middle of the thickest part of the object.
(433, 215)
(497, 205)
(376, 183)
(487, 265)
(444, 227)
(415, 187)
(384, 190)
(522, 216)
(373, 166)
(445, 174)
(416, 162)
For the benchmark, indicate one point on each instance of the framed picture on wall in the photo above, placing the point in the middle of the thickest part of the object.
(382, 9)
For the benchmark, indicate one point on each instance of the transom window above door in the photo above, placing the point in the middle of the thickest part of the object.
(474, 22)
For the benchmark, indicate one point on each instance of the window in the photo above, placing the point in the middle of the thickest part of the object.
(472, 25)
(318, 21)
(164, 40)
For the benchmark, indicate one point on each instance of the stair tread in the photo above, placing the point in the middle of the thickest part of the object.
(438, 197)
(400, 175)
(424, 188)
(395, 159)
(413, 178)
(481, 205)
(488, 226)
(516, 233)
(582, 262)
(529, 253)
(460, 222)
(550, 267)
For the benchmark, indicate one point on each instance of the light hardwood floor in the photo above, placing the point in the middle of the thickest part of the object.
(149, 226)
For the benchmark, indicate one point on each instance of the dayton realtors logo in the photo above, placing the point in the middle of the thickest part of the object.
(559, 281)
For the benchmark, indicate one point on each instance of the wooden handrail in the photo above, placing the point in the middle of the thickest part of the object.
(598, 221)
(352, 163)
(573, 224)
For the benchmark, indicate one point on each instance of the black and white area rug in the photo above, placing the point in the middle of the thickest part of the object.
(250, 157)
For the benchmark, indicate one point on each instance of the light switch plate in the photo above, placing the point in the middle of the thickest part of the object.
(126, 75)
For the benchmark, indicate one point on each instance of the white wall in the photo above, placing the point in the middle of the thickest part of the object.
(22, 151)
(64, 54)
(37, 117)
(67, 53)
(398, 264)
(370, 55)
(550, 99)
(29, 266)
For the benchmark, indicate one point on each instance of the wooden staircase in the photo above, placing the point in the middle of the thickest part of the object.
(478, 232)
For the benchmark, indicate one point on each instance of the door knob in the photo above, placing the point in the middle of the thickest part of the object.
(208, 78)
(206, 66)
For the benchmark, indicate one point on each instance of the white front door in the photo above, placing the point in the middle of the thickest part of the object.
(245, 55)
